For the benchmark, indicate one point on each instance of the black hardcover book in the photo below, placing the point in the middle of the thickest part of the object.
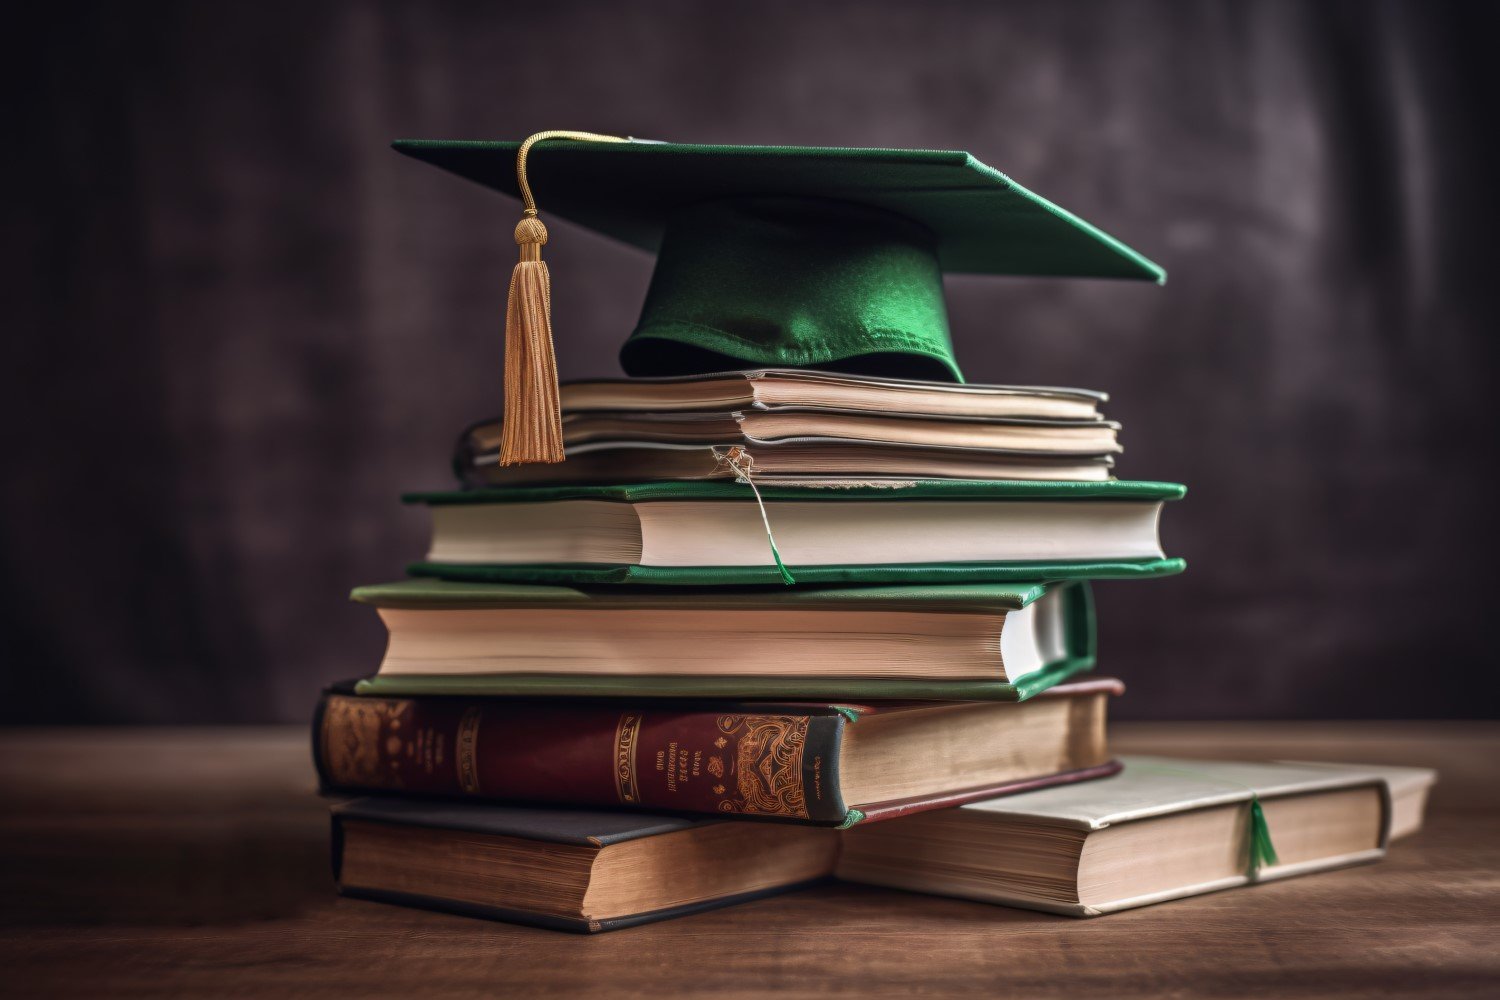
(565, 869)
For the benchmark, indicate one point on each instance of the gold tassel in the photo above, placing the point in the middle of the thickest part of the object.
(532, 429)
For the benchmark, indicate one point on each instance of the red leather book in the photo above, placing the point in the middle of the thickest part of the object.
(831, 764)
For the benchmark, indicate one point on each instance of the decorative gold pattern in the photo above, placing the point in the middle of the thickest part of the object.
(468, 744)
(716, 766)
(627, 734)
(352, 743)
(769, 769)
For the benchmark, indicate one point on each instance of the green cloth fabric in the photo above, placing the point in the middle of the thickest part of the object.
(789, 283)
(797, 256)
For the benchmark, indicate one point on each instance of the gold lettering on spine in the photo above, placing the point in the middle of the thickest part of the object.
(361, 745)
(467, 745)
(627, 733)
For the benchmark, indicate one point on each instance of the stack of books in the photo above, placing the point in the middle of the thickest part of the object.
(868, 721)
(795, 619)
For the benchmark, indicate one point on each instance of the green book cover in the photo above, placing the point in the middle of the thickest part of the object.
(609, 574)
(1077, 633)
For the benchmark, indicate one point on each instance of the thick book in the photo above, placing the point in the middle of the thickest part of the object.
(711, 533)
(565, 869)
(1161, 829)
(1001, 642)
(829, 764)
(1410, 787)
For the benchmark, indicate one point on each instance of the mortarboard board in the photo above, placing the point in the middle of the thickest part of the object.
(768, 256)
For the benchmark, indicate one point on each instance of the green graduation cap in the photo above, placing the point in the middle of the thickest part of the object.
(767, 256)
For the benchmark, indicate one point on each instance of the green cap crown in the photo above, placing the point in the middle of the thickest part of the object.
(798, 256)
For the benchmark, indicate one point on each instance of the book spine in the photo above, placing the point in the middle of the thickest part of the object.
(780, 764)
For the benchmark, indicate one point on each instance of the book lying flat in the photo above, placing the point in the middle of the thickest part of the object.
(565, 869)
(946, 642)
(808, 426)
(1410, 787)
(829, 764)
(702, 533)
(800, 387)
(1161, 829)
(786, 463)
(595, 871)
(1021, 435)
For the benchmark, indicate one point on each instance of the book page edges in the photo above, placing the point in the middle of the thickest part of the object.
(1166, 895)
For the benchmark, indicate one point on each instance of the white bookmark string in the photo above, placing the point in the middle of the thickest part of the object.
(738, 460)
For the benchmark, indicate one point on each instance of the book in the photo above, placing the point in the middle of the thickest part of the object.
(787, 463)
(1410, 787)
(802, 426)
(793, 426)
(594, 871)
(832, 764)
(1161, 829)
(565, 869)
(947, 642)
(705, 533)
(779, 387)
(1022, 435)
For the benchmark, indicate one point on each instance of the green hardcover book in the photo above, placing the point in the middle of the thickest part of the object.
(720, 534)
(956, 642)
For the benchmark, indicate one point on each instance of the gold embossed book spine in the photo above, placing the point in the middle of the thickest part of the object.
(776, 762)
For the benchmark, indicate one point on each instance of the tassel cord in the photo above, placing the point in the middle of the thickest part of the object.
(532, 430)
(528, 203)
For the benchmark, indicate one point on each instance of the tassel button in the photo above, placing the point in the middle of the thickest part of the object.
(531, 236)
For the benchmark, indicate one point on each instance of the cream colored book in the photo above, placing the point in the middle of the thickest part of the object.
(796, 426)
(1011, 435)
(1162, 829)
(1023, 636)
(826, 531)
(1410, 787)
(816, 463)
(771, 387)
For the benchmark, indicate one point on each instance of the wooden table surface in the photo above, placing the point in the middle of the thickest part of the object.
(194, 862)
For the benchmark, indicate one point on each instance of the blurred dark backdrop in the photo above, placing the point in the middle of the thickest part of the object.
(240, 326)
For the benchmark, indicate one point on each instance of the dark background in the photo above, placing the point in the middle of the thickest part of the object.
(238, 326)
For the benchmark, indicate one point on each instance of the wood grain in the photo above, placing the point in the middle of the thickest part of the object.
(193, 862)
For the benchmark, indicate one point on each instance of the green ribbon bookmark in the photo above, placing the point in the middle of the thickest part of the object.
(1262, 850)
(740, 462)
